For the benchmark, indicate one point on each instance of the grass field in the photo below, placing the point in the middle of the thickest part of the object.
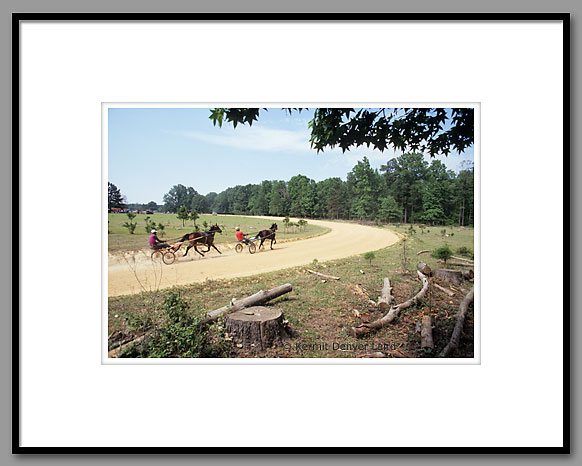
(121, 240)
(321, 311)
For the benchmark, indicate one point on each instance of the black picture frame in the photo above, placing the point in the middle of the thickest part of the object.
(271, 17)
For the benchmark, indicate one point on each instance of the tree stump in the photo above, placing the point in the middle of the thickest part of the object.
(258, 326)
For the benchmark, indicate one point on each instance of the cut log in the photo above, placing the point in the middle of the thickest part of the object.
(453, 276)
(461, 264)
(258, 298)
(426, 333)
(422, 252)
(424, 268)
(456, 337)
(462, 259)
(323, 275)
(256, 327)
(115, 352)
(392, 314)
(449, 292)
(385, 297)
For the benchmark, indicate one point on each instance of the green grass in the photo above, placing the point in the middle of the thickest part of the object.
(121, 240)
(321, 311)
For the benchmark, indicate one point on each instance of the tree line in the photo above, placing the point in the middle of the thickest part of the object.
(407, 189)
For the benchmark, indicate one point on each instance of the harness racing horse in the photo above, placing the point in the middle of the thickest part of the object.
(267, 234)
(204, 237)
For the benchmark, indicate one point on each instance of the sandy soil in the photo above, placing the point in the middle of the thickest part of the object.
(135, 272)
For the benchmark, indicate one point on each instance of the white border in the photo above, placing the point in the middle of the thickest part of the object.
(297, 360)
(513, 398)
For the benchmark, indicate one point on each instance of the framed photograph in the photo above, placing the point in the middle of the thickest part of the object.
(233, 230)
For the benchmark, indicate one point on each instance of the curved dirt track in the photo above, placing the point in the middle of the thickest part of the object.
(136, 272)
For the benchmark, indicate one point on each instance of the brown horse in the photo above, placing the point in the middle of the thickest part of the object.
(267, 234)
(204, 237)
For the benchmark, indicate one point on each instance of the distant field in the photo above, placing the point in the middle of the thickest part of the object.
(121, 240)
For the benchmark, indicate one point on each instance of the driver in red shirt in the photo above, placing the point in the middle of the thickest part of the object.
(241, 236)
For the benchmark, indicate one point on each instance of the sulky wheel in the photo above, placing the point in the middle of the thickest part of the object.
(238, 247)
(157, 256)
(252, 248)
(169, 257)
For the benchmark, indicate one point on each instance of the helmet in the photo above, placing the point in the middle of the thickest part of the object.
(154, 231)
(237, 228)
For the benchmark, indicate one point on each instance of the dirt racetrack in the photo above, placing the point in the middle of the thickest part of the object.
(135, 272)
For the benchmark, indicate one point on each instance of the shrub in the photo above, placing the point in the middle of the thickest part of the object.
(131, 224)
(465, 251)
(369, 256)
(444, 231)
(180, 335)
(443, 253)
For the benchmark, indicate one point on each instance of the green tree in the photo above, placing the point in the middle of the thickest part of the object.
(151, 205)
(404, 177)
(279, 204)
(130, 225)
(428, 130)
(366, 186)
(444, 253)
(178, 196)
(183, 215)
(114, 197)
(389, 209)
(193, 215)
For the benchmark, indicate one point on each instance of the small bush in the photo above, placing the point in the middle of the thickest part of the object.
(444, 231)
(465, 251)
(443, 253)
(180, 335)
(369, 256)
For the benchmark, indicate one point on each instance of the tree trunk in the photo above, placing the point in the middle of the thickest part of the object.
(253, 300)
(424, 268)
(385, 297)
(456, 337)
(453, 276)
(392, 314)
(426, 333)
(259, 327)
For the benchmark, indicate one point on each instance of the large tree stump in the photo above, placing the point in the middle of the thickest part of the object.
(454, 276)
(259, 327)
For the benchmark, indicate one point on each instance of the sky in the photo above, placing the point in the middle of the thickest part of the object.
(153, 149)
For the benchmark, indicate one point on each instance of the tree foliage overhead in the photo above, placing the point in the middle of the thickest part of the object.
(430, 131)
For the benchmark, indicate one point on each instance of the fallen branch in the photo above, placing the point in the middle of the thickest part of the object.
(323, 275)
(360, 292)
(254, 300)
(449, 292)
(392, 314)
(385, 297)
(462, 259)
(426, 333)
(462, 264)
(456, 337)
(422, 252)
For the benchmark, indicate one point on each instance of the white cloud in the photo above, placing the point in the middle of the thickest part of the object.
(255, 138)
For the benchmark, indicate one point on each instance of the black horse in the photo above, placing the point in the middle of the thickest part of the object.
(202, 237)
(267, 234)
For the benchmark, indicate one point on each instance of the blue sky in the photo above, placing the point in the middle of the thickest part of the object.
(152, 149)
